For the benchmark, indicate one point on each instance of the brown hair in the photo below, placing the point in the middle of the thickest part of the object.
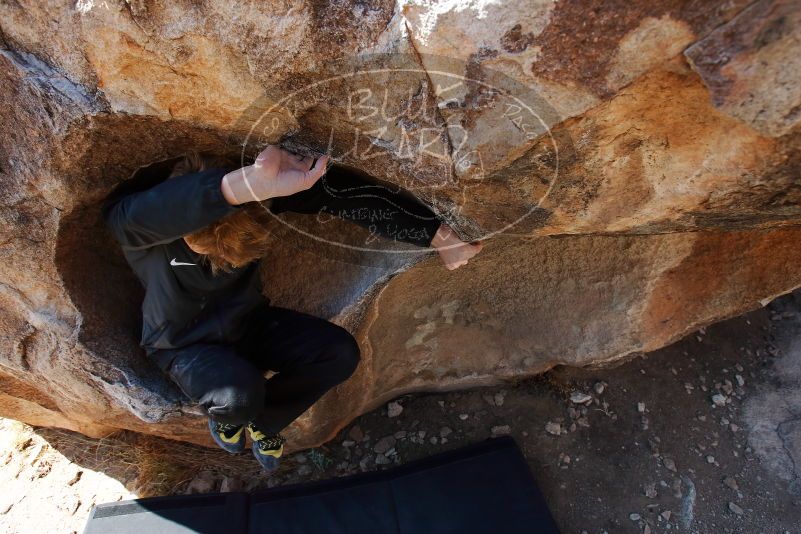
(234, 240)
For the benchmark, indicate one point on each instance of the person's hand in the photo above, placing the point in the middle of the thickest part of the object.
(275, 173)
(453, 251)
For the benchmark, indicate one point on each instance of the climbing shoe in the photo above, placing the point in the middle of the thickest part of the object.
(266, 449)
(230, 438)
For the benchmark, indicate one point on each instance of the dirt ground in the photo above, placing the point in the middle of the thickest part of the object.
(702, 436)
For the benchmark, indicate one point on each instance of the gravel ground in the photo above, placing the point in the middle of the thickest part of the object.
(702, 436)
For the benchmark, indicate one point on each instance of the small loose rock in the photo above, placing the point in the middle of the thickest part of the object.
(731, 483)
(499, 397)
(579, 397)
(355, 433)
(384, 444)
(231, 484)
(202, 483)
(365, 462)
(669, 464)
(394, 409)
(553, 428)
(735, 509)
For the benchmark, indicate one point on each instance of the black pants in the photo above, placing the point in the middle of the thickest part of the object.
(309, 354)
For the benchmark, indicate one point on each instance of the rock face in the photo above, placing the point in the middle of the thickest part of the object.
(633, 171)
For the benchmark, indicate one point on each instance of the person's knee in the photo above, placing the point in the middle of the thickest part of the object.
(348, 355)
(236, 404)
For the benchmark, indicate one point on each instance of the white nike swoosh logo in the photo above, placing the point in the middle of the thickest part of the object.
(173, 262)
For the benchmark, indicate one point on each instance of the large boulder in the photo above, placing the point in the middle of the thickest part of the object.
(634, 174)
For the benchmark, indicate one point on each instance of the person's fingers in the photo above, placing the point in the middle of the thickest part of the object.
(303, 164)
(317, 171)
(288, 159)
(297, 158)
(292, 161)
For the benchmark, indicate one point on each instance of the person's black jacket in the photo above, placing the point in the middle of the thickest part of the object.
(184, 303)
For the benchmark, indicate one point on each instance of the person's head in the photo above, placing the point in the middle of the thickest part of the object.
(234, 240)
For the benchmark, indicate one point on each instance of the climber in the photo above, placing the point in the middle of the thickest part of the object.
(192, 239)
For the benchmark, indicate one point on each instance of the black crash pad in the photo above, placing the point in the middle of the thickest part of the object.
(485, 487)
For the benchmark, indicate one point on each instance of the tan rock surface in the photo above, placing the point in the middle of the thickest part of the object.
(626, 195)
(758, 49)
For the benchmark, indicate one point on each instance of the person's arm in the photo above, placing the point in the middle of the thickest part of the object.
(171, 209)
(293, 183)
(384, 210)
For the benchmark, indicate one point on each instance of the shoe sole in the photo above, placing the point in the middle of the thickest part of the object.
(231, 448)
(274, 463)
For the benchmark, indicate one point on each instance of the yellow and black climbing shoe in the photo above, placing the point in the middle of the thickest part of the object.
(266, 449)
(230, 438)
